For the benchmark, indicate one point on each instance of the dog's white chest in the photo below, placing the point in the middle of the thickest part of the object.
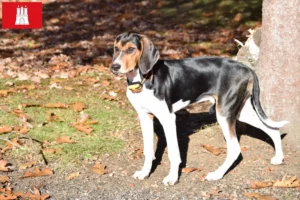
(144, 100)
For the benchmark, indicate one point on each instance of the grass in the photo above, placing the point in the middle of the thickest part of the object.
(111, 116)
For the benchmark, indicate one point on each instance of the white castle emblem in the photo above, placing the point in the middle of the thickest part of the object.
(22, 16)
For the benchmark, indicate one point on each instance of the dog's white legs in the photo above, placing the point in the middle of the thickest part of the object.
(249, 116)
(169, 125)
(233, 148)
(148, 134)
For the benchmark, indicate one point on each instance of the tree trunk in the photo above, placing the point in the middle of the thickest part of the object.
(279, 65)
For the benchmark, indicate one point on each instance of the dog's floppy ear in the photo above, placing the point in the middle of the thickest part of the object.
(150, 55)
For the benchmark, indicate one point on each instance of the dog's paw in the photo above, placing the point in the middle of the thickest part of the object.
(141, 175)
(170, 180)
(277, 160)
(213, 176)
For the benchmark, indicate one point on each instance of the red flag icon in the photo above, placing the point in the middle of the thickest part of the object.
(21, 15)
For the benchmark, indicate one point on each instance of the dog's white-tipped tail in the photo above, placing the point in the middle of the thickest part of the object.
(274, 124)
(261, 114)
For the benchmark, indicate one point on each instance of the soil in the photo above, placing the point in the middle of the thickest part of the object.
(194, 129)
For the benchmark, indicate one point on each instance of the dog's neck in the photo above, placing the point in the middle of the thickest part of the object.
(134, 76)
(135, 80)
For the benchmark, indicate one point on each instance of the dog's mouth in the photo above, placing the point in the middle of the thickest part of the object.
(115, 72)
(118, 73)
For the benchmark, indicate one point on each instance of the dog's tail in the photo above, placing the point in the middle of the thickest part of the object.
(257, 106)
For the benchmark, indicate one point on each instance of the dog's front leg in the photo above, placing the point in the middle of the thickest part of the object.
(169, 124)
(146, 121)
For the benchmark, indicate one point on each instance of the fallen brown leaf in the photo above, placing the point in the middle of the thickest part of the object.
(213, 150)
(22, 130)
(244, 148)
(259, 196)
(56, 105)
(100, 68)
(36, 195)
(91, 80)
(131, 185)
(14, 141)
(108, 97)
(82, 124)
(203, 177)
(57, 81)
(21, 114)
(37, 172)
(99, 168)
(259, 184)
(27, 165)
(3, 164)
(6, 194)
(9, 145)
(190, 169)
(105, 83)
(3, 150)
(73, 175)
(5, 129)
(51, 117)
(82, 69)
(78, 106)
(65, 139)
(287, 183)
(4, 93)
(4, 179)
(46, 143)
(25, 87)
(138, 153)
(25, 105)
(292, 182)
(83, 128)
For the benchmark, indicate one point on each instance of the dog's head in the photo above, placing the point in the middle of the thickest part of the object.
(132, 51)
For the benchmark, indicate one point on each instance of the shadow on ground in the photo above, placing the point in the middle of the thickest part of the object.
(189, 123)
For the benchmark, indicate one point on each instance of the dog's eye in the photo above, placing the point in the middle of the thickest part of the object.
(130, 50)
(116, 49)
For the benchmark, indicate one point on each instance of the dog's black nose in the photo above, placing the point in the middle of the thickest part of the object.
(115, 67)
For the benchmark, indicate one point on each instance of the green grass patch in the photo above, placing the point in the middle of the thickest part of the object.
(111, 116)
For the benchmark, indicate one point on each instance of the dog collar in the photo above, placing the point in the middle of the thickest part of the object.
(137, 86)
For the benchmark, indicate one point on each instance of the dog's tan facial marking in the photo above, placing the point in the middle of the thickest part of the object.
(131, 57)
(118, 47)
(127, 55)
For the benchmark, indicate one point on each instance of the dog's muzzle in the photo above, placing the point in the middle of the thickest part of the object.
(115, 68)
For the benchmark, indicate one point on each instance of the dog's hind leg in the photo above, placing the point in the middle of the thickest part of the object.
(148, 134)
(233, 147)
(249, 116)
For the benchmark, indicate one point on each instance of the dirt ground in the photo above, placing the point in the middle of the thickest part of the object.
(194, 129)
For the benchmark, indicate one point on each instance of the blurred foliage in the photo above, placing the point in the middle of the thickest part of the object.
(210, 13)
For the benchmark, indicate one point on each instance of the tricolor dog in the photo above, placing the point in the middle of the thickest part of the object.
(162, 87)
